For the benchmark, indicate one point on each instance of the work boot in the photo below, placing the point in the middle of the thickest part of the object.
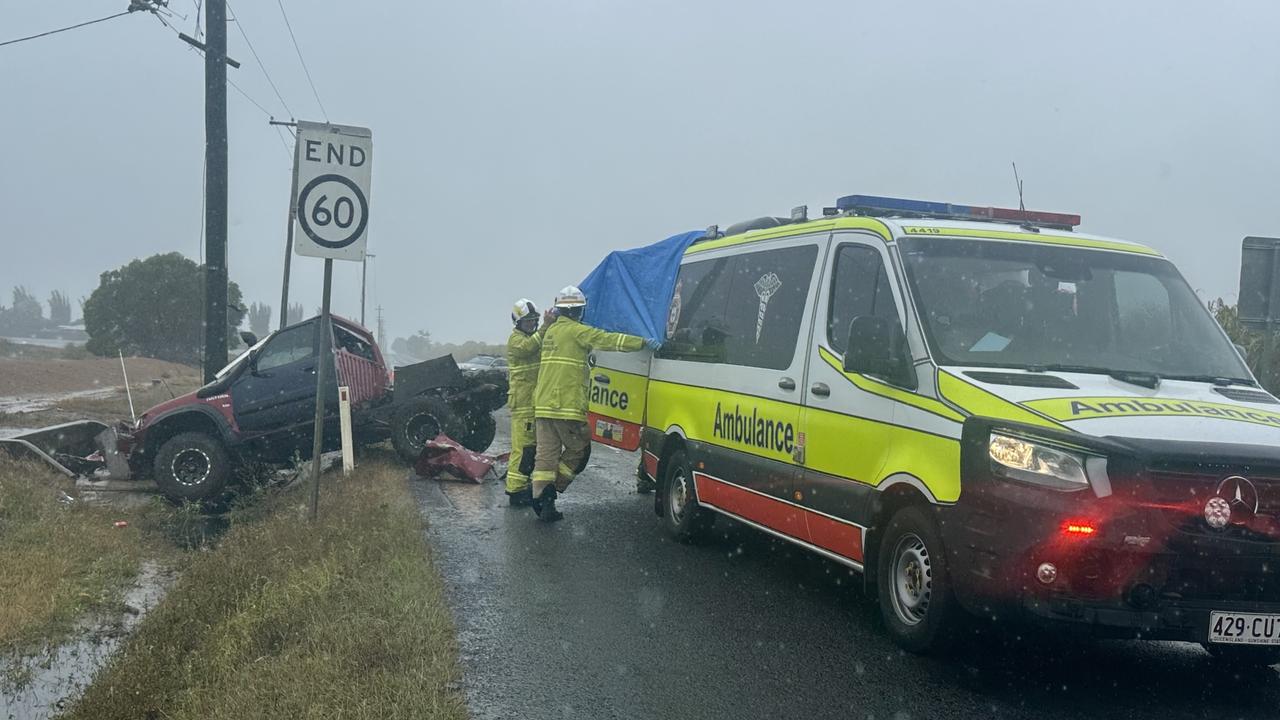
(520, 498)
(645, 484)
(545, 506)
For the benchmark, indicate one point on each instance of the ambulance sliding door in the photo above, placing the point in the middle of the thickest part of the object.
(729, 379)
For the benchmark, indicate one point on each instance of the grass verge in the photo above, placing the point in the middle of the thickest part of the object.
(58, 561)
(344, 617)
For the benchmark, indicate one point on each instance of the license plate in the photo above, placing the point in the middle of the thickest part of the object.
(1244, 628)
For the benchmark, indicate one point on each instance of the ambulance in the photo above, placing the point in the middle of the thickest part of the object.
(986, 413)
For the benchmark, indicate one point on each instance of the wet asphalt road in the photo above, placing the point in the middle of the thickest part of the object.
(602, 616)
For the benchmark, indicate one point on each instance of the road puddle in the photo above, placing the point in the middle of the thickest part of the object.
(19, 404)
(43, 685)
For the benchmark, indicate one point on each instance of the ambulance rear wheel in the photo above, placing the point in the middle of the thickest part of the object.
(683, 517)
(913, 584)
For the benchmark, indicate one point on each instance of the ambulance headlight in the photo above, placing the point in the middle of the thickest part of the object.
(1037, 463)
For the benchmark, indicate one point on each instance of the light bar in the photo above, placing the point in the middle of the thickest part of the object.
(875, 205)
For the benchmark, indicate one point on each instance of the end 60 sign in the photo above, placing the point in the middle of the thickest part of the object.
(331, 171)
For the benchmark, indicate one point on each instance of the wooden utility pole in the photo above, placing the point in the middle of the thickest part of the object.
(215, 153)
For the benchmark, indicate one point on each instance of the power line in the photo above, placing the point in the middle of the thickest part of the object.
(69, 27)
(304, 62)
(261, 66)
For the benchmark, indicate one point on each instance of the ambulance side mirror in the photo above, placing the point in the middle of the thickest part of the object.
(878, 347)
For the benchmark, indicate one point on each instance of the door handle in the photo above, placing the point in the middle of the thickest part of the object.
(820, 389)
(787, 383)
(602, 379)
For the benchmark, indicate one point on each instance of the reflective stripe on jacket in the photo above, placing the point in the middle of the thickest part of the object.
(562, 378)
(523, 353)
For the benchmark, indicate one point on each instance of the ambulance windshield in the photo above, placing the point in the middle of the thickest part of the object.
(1026, 305)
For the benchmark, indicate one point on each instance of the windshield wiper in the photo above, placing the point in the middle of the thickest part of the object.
(1218, 380)
(1133, 377)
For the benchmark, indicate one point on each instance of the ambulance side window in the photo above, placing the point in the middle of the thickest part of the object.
(859, 286)
(696, 327)
(767, 306)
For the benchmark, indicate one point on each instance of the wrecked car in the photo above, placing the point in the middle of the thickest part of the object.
(260, 409)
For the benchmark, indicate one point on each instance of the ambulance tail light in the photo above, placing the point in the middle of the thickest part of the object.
(878, 206)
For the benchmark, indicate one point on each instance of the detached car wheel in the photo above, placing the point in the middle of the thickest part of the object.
(683, 517)
(481, 430)
(419, 422)
(192, 466)
(913, 584)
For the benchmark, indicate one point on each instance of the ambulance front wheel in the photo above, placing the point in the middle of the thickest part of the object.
(913, 583)
(684, 518)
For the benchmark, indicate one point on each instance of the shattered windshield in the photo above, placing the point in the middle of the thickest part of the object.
(1025, 305)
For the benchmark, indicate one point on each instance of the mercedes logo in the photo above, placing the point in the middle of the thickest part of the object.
(1236, 499)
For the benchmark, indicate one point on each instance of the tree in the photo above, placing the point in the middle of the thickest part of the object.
(155, 308)
(260, 319)
(25, 317)
(295, 314)
(418, 345)
(1228, 317)
(59, 308)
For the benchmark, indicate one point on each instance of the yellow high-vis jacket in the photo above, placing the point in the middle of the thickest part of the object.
(562, 378)
(523, 354)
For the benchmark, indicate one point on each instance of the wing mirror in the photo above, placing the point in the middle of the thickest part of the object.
(248, 338)
(878, 347)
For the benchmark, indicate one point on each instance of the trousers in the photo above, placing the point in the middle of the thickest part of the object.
(520, 465)
(564, 446)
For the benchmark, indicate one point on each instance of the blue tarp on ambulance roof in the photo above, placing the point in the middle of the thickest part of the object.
(631, 290)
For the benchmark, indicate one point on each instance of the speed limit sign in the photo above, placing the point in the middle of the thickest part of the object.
(331, 173)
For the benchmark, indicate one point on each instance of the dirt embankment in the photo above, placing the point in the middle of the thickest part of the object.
(29, 376)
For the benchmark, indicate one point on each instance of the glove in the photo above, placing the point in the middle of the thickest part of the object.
(653, 344)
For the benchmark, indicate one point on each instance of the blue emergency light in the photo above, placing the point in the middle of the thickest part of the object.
(877, 206)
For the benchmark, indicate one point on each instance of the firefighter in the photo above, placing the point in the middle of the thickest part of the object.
(523, 350)
(560, 400)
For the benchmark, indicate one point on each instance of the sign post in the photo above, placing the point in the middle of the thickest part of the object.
(1259, 303)
(331, 180)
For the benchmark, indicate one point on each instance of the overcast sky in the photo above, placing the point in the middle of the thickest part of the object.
(516, 143)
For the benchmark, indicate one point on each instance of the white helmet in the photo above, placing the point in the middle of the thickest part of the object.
(571, 297)
(523, 308)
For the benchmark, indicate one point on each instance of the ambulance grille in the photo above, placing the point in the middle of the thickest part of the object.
(1182, 498)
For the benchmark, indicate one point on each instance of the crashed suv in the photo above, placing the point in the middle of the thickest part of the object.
(261, 409)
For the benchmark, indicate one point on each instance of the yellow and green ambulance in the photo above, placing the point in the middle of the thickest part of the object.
(986, 412)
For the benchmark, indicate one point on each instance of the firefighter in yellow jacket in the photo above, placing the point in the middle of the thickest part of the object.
(560, 400)
(523, 350)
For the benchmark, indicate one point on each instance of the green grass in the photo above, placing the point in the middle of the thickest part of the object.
(342, 618)
(58, 562)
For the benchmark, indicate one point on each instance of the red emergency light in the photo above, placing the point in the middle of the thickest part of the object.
(1079, 528)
